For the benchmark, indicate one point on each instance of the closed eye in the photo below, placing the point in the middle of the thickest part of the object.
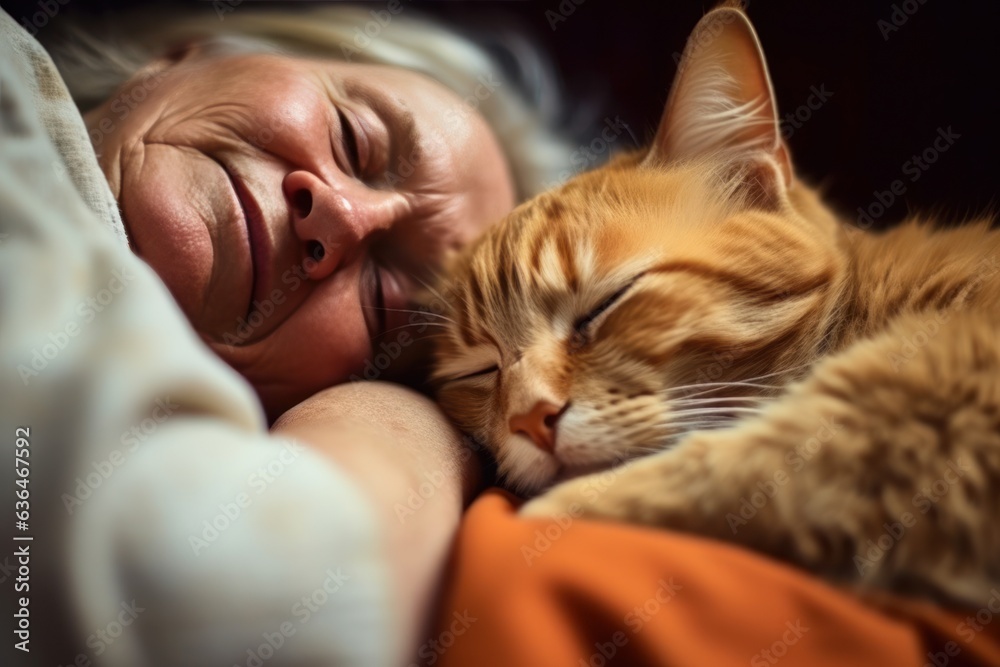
(581, 324)
(350, 143)
(582, 327)
(467, 376)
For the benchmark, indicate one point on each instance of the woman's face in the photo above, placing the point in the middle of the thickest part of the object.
(292, 205)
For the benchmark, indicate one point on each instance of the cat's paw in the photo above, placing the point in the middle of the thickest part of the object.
(614, 495)
(657, 490)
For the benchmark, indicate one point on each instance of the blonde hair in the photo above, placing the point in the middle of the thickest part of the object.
(523, 109)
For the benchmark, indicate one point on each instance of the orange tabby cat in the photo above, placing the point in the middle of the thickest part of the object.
(774, 377)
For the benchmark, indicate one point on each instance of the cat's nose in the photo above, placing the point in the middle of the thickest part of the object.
(539, 424)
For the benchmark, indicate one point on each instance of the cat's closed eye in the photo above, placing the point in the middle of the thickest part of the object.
(474, 374)
(584, 327)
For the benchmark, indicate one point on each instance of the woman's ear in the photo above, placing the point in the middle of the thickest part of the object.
(722, 103)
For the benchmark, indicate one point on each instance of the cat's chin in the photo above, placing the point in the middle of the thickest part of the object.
(563, 474)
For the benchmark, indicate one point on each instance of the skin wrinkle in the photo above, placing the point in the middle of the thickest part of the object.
(268, 122)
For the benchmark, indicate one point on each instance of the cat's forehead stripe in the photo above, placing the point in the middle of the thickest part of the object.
(567, 257)
(537, 256)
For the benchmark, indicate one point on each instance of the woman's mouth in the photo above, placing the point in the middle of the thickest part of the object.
(260, 246)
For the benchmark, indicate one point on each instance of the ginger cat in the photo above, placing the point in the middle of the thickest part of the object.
(772, 376)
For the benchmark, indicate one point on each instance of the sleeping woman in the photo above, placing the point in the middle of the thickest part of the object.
(292, 197)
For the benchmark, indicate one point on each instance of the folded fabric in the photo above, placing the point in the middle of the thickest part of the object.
(576, 593)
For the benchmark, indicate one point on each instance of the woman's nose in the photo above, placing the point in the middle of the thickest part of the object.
(334, 221)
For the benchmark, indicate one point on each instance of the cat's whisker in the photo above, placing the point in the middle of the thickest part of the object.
(784, 371)
(436, 334)
(673, 421)
(708, 411)
(405, 310)
(746, 382)
(732, 383)
(718, 399)
(429, 287)
(695, 421)
(717, 386)
(444, 300)
(680, 430)
(413, 324)
(426, 313)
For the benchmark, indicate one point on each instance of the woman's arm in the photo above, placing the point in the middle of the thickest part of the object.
(398, 446)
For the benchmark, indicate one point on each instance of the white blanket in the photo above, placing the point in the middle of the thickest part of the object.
(168, 527)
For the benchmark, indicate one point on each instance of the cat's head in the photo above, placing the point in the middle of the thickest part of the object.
(665, 292)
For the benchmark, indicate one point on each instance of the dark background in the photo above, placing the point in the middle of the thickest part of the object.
(891, 92)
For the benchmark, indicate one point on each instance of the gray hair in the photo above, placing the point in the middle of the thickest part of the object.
(524, 110)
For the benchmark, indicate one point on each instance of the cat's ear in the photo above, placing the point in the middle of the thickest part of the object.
(722, 103)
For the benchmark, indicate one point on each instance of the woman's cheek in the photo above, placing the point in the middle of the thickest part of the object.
(323, 342)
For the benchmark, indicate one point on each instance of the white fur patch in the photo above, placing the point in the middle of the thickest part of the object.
(525, 467)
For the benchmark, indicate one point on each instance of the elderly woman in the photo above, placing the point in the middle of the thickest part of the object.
(293, 203)
(292, 181)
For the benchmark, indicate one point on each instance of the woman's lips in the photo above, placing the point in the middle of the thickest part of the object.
(261, 249)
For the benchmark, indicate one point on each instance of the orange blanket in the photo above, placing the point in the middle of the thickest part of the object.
(523, 593)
